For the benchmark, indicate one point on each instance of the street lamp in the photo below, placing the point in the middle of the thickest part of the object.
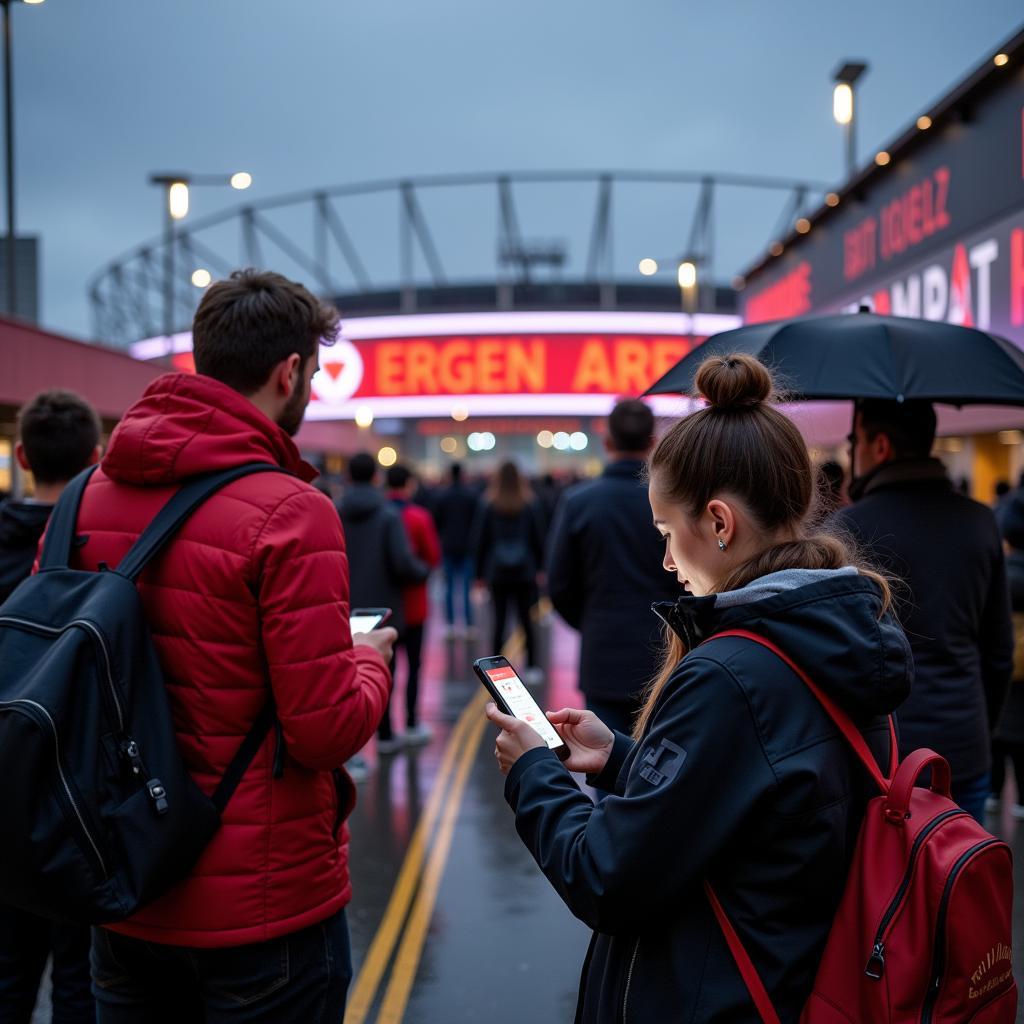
(9, 153)
(176, 188)
(686, 276)
(844, 108)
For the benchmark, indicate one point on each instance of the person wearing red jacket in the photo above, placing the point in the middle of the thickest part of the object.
(426, 546)
(249, 598)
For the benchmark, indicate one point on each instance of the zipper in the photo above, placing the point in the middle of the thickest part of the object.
(940, 927)
(876, 962)
(38, 708)
(629, 979)
(92, 629)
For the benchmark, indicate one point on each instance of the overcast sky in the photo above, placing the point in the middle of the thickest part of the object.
(323, 92)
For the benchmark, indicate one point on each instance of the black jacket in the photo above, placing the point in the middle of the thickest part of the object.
(604, 570)
(1010, 727)
(380, 560)
(955, 607)
(752, 788)
(21, 525)
(455, 510)
(508, 549)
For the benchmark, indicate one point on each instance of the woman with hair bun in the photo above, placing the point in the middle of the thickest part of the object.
(734, 773)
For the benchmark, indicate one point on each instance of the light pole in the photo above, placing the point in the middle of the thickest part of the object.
(12, 281)
(844, 107)
(176, 193)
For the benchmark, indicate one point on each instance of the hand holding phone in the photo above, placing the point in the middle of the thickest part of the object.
(363, 620)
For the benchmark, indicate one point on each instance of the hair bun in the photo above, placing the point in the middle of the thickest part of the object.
(736, 381)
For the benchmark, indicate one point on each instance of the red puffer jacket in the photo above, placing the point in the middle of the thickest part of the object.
(255, 584)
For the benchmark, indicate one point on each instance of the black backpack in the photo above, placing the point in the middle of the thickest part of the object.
(99, 813)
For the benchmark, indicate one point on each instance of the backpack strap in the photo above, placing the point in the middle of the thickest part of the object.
(758, 994)
(177, 509)
(841, 719)
(60, 530)
(265, 720)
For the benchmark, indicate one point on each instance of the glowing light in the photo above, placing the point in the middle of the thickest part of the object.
(882, 158)
(449, 445)
(776, 248)
(387, 456)
(1000, 60)
(177, 199)
(241, 180)
(648, 267)
(687, 274)
(460, 414)
(924, 122)
(546, 439)
(842, 103)
(1010, 437)
(832, 199)
(562, 441)
(364, 416)
(201, 278)
(33, 1)
(482, 441)
(578, 441)
(803, 225)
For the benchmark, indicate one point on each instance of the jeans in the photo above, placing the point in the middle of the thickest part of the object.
(970, 794)
(458, 570)
(303, 977)
(26, 941)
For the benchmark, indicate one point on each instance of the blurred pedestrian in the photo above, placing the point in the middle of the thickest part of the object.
(455, 508)
(509, 554)
(380, 561)
(604, 571)
(948, 551)
(58, 435)
(426, 546)
(735, 774)
(830, 491)
(247, 604)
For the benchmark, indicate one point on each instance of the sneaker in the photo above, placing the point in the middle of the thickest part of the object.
(533, 676)
(417, 735)
(357, 768)
(391, 746)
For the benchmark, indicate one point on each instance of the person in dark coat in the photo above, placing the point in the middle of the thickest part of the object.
(58, 436)
(1008, 742)
(380, 560)
(955, 607)
(735, 774)
(509, 551)
(455, 508)
(604, 570)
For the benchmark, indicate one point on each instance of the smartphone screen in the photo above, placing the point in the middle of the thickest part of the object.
(362, 620)
(504, 684)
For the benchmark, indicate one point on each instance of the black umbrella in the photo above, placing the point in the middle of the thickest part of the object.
(862, 355)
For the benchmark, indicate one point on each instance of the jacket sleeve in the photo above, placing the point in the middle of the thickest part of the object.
(329, 695)
(996, 639)
(565, 568)
(403, 565)
(626, 862)
(428, 544)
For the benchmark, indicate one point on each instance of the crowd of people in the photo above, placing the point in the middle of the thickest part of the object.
(709, 757)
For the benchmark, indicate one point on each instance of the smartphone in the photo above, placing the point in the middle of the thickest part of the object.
(510, 694)
(362, 620)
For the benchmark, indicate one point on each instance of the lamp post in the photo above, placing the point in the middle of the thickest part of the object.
(844, 107)
(11, 271)
(176, 189)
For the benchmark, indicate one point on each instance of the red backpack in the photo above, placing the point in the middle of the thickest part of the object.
(923, 931)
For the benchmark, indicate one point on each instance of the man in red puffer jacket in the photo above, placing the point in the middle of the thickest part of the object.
(250, 597)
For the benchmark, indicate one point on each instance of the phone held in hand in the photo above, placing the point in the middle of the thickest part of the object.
(362, 620)
(510, 694)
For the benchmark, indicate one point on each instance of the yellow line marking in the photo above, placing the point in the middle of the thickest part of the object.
(377, 956)
(407, 961)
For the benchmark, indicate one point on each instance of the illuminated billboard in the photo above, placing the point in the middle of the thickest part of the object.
(516, 363)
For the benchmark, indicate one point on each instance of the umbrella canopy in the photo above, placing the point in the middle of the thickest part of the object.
(863, 355)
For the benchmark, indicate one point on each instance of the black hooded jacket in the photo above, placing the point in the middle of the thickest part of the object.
(21, 525)
(752, 788)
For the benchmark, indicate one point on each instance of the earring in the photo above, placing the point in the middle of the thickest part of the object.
(721, 544)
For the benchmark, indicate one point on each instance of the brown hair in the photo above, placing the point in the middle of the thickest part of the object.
(509, 492)
(246, 325)
(741, 445)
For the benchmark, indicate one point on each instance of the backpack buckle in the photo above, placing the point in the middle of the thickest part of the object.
(158, 795)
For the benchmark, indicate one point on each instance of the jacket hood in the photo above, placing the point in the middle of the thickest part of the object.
(832, 627)
(22, 523)
(360, 501)
(185, 424)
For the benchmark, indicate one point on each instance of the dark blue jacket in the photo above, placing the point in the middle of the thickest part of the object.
(21, 525)
(604, 570)
(955, 606)
(753, 789)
